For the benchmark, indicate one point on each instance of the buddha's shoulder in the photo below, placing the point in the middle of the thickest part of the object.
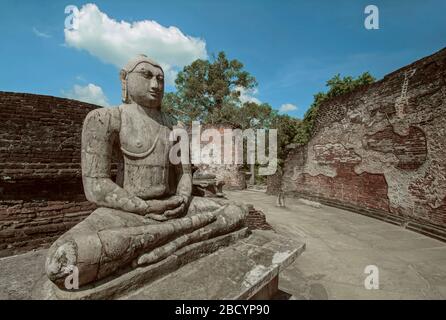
(104, 117)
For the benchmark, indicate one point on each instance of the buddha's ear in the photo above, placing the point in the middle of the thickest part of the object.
(123, 77)
(123, 74)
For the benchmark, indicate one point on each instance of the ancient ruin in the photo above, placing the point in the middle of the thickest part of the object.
(148, 222)
(136, 222)
(92, 207)
(380, 150)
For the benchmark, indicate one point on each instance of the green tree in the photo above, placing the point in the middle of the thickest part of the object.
(256, 116)
(209, 91)
(287, 128)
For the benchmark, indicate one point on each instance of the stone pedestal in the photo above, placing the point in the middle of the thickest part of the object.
(249, 268)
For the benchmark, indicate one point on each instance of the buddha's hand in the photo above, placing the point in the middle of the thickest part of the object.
(170, 208)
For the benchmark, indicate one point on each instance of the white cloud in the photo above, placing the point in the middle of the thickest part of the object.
(248, 95)
(40, 34)
(116, 42)
(90, 93)
(287, 107)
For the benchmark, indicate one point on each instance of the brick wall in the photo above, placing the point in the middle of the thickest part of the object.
(41, 194)
(256, 219)
(381, 150)
(232, 175)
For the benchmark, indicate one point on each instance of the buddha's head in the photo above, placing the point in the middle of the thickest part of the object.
(142, 82)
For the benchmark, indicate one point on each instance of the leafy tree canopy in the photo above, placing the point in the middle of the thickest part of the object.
(209, 91)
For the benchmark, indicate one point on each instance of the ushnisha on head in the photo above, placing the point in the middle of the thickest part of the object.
(142, 82)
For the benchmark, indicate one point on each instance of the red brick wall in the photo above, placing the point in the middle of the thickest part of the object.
(41, 194)
(232, 175)
(381, 153)
(256, 219)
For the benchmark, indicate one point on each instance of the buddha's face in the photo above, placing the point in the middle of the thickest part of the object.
(145, 85)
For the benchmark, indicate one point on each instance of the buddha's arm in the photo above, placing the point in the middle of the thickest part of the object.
(184, 187)
(99, 129)
(105, 193)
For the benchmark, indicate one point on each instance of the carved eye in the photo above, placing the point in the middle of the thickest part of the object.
(160, 78)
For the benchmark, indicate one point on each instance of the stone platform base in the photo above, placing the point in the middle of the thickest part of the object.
(248, 269)
(242, 268)
(130, 280)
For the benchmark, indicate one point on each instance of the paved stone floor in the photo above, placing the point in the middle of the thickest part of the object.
(339, 246)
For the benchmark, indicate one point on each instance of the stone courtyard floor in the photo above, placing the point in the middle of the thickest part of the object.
(339, 246)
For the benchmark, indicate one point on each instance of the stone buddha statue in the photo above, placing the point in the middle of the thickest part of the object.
(147, 213)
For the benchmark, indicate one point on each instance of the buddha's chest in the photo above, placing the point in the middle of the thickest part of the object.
(144, 141)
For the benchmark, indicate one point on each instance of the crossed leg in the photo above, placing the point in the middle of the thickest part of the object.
(109, 240)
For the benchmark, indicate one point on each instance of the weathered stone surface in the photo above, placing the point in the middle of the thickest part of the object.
(129, 280)
(21, 274)
(381, 150)
(239, 271)
(147, 213)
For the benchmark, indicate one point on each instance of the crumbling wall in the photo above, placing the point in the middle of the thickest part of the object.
(256, 219)
(41, 193)
(381, 150)
(231, 174)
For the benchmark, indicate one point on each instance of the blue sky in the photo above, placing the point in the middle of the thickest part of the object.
(291, 47)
